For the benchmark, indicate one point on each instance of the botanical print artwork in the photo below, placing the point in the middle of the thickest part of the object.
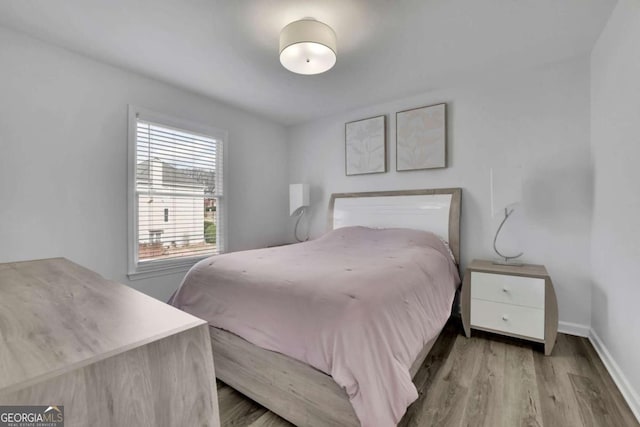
(421, 138)
(365, 146)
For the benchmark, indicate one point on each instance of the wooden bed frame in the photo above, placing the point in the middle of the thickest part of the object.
(294, 390)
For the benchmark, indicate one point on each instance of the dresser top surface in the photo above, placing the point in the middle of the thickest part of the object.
(523, 270)
(57, 316)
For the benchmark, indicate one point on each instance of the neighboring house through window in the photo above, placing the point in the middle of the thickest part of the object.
(175, 167)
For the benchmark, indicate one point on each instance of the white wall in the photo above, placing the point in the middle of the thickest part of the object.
(63, 160)
(538, 119)
(615, 143)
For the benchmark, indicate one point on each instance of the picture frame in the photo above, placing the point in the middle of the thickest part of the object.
(365, 143)
(421, 138)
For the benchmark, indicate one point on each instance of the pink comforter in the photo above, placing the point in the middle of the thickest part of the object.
(358, 304)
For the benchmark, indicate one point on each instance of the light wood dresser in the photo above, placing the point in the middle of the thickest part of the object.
(517, 301)
(111, 355)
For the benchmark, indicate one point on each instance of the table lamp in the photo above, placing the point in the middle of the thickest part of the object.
(298, 201)
(506, 193)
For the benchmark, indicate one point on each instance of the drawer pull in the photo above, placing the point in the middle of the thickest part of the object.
(505, 317)
(505, 290)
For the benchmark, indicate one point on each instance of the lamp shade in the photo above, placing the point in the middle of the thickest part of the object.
(298, 197)
(506, 187)
(307, 47)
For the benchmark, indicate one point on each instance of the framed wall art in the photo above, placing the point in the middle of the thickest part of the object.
(366, 146)
(421, 138)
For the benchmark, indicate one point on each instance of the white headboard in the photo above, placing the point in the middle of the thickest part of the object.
(435, 210)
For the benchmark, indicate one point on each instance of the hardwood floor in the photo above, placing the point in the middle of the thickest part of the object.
(489, 380)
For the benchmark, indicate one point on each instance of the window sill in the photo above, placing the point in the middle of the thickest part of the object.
(163, 268)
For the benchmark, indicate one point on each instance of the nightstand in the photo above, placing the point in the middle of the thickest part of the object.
(275, 245)
(517, 301)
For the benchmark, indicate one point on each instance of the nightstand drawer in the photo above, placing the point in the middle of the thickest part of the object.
(512, 319)
(525, 291)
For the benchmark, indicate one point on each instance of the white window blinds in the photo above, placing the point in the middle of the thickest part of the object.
(178, 192)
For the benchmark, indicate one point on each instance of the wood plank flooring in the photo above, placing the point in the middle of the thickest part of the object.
(489, 380)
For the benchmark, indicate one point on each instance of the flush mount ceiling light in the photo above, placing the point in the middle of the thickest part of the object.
(307, 47)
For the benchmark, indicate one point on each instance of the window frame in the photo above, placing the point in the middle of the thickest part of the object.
(155, 268)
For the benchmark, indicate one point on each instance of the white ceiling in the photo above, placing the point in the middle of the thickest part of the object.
(228, 49)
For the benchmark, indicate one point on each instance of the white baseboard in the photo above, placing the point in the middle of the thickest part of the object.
(628, 392)
(574, 329)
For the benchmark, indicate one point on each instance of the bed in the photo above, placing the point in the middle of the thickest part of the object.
(301, 384)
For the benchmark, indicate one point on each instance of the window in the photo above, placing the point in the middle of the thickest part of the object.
(175, 167)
